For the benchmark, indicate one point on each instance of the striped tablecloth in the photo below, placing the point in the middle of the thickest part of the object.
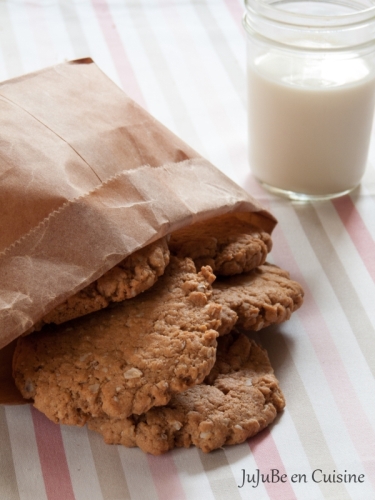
(184, 61)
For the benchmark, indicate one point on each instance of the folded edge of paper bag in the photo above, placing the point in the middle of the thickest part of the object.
(88, 236)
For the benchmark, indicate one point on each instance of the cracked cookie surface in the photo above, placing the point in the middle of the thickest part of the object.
(239, 398)
(135, 274)
(227, 244)
(254, 300)
(126, 358)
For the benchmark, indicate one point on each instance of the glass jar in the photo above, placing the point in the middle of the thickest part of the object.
(311, 94)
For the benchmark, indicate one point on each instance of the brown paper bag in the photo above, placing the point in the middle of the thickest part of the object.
(86, 178)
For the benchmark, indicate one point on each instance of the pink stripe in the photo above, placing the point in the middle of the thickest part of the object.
(52, 458)
(267, 458)
(165, 476)
(358, 231)
(124, 69)
(358, 426)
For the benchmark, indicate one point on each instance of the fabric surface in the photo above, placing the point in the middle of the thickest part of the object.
(184, 61)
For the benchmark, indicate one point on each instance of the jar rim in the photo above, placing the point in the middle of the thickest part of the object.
(363, 48)
(268, 10)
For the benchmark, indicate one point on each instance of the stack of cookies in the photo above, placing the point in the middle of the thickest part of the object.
(155, 354)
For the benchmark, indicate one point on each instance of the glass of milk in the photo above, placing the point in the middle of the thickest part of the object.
(311, 94)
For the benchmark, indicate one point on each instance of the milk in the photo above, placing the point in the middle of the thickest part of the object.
(309, 124)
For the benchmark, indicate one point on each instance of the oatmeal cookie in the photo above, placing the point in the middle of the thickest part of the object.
(227, 244)
(126, 358)
(254, 300)
(239, 398)
(135, 274)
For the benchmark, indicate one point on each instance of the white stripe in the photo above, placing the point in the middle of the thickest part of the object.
(137, 473)
(370, 172)
(62, 47)
(96, 41)
(39, 30)
(3, 70)
(186, 79)
(235, 38)
(326, 298)
(348, 255)
(330, 308)
(25, 453)
(322, 399)
(189, 466)
(350, 353)
(307, 362)
(225, 111)
(81, 463)
(24, 37)
(136, 51)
